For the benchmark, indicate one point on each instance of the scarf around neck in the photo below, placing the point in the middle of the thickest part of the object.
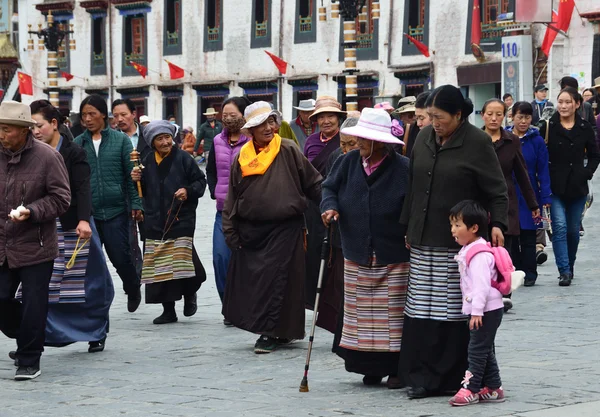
(252, 163)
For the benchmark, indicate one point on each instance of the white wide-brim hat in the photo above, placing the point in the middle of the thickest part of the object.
(306, 105)
(210, 112)
(375, 125)
(597, 82)
(256, 114)
(16, 114)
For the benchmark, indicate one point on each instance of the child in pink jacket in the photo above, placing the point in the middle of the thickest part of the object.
(482, 302)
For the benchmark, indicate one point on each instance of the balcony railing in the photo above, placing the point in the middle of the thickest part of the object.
(260, 30)
(364, 40)
(213, 34)
(491, 32)
(138, 58)
(98, 59)
(305, 24)
(172, 38)
(418, 33)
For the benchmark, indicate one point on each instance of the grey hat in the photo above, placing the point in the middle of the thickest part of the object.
(158, 127)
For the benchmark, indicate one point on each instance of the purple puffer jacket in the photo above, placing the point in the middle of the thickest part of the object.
(225, 155)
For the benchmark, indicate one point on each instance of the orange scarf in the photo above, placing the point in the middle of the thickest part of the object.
(257, 164)
(159, 158)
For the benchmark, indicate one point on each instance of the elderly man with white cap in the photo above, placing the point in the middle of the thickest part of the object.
(34, 186)
(365, 193)
(269, 188)
(303, 126)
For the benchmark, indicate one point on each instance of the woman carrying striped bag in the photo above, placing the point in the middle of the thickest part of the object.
(365, 192)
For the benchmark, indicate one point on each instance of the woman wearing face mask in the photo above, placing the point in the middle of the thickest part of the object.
(570, 139)
(226, 146)
(508, 150)
(452, 160)
(535, 154)
(79, 301)
(365, 192)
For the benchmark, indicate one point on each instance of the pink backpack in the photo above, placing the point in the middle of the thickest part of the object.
(508, 279)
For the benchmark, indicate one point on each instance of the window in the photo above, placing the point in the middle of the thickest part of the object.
(367, 35)
(491, 34)
(63, 56)
(261, 24)
(98, 55)
(134, 42)
(415, 24)
(172, 43)
(213, 36)
(306, 23)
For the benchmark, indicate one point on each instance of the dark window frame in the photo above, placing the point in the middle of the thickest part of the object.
(260, 35)
(128, 53)
(491, 35)
(172, 40)
(98, 58)
(213, 35)
(415, 10)
(305, 30)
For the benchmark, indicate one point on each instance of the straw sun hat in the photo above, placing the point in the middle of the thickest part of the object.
(256, 114)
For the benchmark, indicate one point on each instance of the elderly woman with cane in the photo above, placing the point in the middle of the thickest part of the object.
(365, 193)
(172, 184)
(269, 188)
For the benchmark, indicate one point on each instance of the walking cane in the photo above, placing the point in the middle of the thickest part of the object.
(135, 158)
(324, 256)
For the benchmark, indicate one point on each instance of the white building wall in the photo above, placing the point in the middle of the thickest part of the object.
(237, 62)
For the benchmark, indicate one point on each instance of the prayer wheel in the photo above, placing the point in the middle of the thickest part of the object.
(375, 10)
(335, 10)
(322, 14)
(349, 31)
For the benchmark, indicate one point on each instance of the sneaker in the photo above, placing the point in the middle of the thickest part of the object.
(98, 346)
(541, 257)
(508, 304)
(564, 280)
(25, 373)
(190, 305)
(464, 397)
(134, 300)
(487, 395)
(265, 344)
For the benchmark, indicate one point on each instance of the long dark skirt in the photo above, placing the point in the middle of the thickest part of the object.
(265, 281)
(173, 290)
(84, 322)
(434, 354)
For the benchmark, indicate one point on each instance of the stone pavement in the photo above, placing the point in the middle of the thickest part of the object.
(547, 347)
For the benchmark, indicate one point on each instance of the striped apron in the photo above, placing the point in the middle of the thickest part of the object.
(167, 260)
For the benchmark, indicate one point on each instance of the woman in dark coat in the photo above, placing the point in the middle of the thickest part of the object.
(452, 161)
(508, 150)
(172, 183)
(79, 301)
(364, 192)
(570, 140)
(269, 188)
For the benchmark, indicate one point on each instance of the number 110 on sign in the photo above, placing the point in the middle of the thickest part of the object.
(510, 50)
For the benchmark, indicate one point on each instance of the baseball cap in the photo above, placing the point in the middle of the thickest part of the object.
(540, 87)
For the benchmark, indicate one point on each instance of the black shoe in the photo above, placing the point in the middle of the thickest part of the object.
(13, 355)
(190, 305)
(265, 344)
(564, 280)
(166, 317)
(529, 282)
(541, 257)
(508, 304)
(417, 392)
(394, 382)
(98, 346)
(25, 373)
(134, 300)
(372, 380)
(227, 323)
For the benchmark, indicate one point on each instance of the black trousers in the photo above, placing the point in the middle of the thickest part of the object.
(523, 253)
(115, 236)
(482, 355)
(26, 320)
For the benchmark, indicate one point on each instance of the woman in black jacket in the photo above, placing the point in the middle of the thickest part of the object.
(80, 300)
(172, 184)
(570, 140)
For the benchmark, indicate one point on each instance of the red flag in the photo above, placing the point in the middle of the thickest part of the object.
(66, 75)
(476, 23)
(279, 63)
(424, 49)
(139, 68)
(565, 12)
(25, 84)
(175, 71)
(550, 36)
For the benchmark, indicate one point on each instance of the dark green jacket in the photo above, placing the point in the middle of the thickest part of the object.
(207, 134)
(111, 182)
